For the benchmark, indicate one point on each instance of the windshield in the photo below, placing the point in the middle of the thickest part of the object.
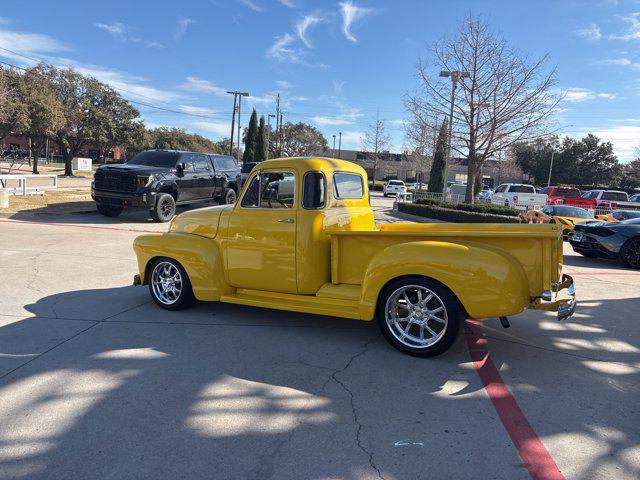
(575, 212)
(568, 192)
(616, 196)
(153, 158)
(521, 189)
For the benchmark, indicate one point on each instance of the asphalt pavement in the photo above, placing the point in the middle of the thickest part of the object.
(97, 382)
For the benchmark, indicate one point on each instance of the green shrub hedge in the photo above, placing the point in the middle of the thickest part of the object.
(489, 208)
(377, 186)
(439, 212)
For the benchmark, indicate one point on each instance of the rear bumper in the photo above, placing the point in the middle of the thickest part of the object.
(564, 302)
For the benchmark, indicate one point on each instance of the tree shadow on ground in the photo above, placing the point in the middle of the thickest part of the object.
(223, 391)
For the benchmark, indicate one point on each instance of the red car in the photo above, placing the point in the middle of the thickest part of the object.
(566, 196)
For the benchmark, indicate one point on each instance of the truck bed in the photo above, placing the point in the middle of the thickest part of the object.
(537, 248)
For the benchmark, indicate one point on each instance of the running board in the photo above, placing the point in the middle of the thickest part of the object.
(333, 307)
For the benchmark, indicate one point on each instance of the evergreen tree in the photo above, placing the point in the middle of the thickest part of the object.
(436, 177)
(251, 140)
(262, 145)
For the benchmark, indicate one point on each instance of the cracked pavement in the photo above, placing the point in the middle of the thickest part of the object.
(97, 382)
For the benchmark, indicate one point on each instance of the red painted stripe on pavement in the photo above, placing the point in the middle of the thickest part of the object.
(530, 448)
(93, 227)
(603, 273)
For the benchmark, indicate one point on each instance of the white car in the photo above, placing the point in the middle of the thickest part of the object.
(518, 195)
(394, 186)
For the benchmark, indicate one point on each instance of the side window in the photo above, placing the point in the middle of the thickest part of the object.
(252, 195)
(277, 190)
(313, 189)
(202, 163)
(270, 190)
(501, 188)
(348, 185)
(188, 162)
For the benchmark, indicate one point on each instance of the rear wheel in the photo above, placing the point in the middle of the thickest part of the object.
(164, 209)
(109, 210)
(419, 316)
(630, 253)
(169, 285)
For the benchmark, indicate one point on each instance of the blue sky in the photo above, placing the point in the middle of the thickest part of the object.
(335, 63)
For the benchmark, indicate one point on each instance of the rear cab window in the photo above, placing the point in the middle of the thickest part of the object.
(348, 185)
(521, 189)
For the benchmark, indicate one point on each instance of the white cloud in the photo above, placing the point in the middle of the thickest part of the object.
(251, 5)
(282, 51)
(633, 32)
(283, 84)
(288, 3)
(347, 117)
(28, 44)
(262, 99)
(193, 110)
(303, 24)
(222, 129)
(575, 95)
(397, 123)
(338, 85)
(183, 25)
(624, 139)
(352, 140)
(122, 32)
(590, 32)
(196, 84)
(351, 14)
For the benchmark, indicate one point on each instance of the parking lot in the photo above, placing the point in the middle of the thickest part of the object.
(97, 382)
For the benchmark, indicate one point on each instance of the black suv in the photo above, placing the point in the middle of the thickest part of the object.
(161, 179)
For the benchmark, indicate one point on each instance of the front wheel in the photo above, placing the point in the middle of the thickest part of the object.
(630, 253)
(169, 285)
(164, 209)
(419, 316)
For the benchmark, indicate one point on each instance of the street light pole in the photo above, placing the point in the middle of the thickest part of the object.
(551, 168)
(333, 154)
(237, 99)
(339, 144)
(455, 75)
(269, 117)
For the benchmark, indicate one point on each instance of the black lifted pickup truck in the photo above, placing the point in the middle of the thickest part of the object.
(161, 179)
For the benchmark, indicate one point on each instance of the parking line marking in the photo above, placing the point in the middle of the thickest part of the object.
(529, 446)
(92, 227)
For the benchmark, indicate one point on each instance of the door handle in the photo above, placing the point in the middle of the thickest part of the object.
(286, 220)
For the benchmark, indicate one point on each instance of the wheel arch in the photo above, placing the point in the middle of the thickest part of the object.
(199, 256)
(170, 188)
(477, 275)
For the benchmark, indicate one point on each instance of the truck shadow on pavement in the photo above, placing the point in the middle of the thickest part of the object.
(223, 391)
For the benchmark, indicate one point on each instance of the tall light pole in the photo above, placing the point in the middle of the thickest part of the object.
(237, 98)
(269, 117)
(339, 144)
(550, 168)
(334, 145)
(455, 75)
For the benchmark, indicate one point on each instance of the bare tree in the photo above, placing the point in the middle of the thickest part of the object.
(375, 141)
(505, 99)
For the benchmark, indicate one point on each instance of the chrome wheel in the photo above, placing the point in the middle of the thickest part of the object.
(166, 283)
(416, 316)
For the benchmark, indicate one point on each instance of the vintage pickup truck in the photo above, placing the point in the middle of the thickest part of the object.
(302, 237)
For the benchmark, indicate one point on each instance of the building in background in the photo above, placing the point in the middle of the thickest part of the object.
(19, 142)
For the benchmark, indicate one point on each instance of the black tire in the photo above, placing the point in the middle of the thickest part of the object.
(109, 210)
(629, 254)
(446, 334)
(229, 196)
(164, 209)
(184, 299)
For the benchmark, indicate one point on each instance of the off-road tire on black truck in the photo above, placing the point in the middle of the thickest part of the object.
(109, 210)
(164, 209)
(229, 196)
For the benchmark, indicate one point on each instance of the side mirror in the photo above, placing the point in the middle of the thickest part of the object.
(180, 168)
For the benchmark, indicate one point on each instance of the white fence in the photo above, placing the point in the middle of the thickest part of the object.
(24, 185)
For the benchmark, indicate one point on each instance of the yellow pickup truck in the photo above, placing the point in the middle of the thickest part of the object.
(302, 237)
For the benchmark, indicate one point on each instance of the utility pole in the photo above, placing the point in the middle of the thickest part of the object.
(455, 76)
(339, 144)
(281, 135)
(237, 98)
(333, 153)
(277, 146)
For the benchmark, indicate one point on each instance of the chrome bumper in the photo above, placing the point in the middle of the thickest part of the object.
(566, 306)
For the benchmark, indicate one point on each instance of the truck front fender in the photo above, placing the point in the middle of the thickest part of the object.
(488, 282)
(199, 256)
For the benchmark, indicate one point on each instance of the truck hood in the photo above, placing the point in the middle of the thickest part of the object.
(135, 169)
(203, 221)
